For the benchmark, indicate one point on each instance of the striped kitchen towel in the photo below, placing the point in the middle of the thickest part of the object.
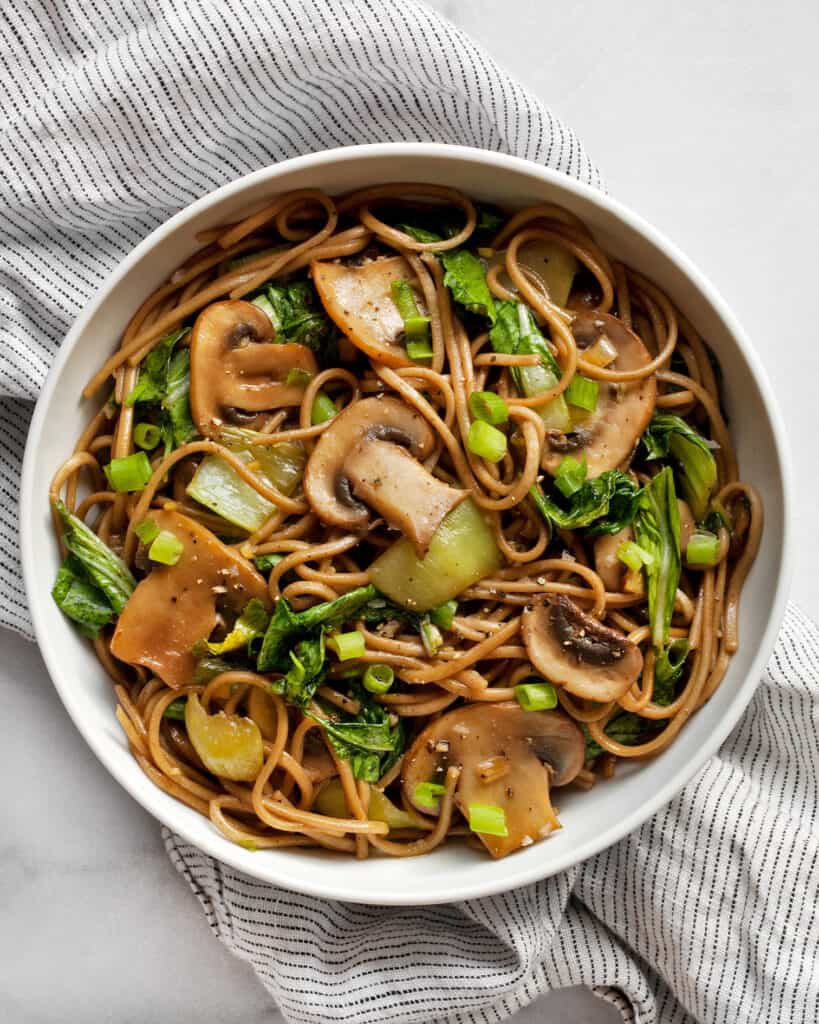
(117, 114)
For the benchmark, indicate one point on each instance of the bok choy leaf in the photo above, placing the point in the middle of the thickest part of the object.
(657, 531)
(102, 567)
(696, 466)
(605, 504)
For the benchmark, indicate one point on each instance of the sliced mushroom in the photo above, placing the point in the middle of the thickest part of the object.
(400, 489)
(176, 605)
(369, 452)
(359, 300)
(508, 758)
(606, 563)
(575, 651)
(608, 435)
(237, 371)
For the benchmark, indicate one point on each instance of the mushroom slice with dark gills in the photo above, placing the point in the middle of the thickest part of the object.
(509, 758)
(359, 300)
(575, 651)
(176, 605)
(608, 435)
(237, 371)
(369, 456)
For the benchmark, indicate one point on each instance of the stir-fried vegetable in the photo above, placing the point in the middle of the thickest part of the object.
(229, 745)
(78, 598)
(463, 551)
(102, 567)
(605, 504)
(286, 625)
(218, 486)
(251, 624)
(516, 333)
(657, 531)
(163, 388)
(298, 316)
(332, 802)
(368, 740)
(466, 278)
(696, 466)
(668, 669)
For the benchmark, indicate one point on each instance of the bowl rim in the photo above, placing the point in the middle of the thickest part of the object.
(500, 881)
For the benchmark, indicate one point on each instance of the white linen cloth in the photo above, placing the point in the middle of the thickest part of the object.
(114, 116)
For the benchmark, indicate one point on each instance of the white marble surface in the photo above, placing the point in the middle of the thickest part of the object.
(703, 118)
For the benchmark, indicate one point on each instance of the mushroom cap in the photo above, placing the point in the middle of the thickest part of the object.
(509, 757)
(400, 489)
(608, 435)
(326, 485)
(575, 651)
(237, 371)
(175, 605)
(359, 300)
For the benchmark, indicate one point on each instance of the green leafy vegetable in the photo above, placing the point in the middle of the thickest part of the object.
(667, 670)
(298, 316)
(626, 728)
(466, 279)
(697, 468)
(605, 504)
(78, 598)
(251, 624)
(516, 333)
(102, 567)
(657, 531)
(436, 224)
(264, 563)
(176, 709)
(367, 740)
(285, 624)
(306, 672)
(163, 386)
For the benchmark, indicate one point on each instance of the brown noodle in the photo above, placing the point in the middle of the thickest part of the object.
(484, 656)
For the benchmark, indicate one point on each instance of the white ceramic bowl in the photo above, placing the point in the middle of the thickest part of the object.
(593, 820)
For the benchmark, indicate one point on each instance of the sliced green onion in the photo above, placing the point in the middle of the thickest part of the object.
(248, 844)
(443, 615)
(324, 408)
(347, 645)
(147, 436)
(264, 563)
(404, 299)
(536, 696)
(378, 678)
(430, 636)
(298, 378)
(419, 349)
(130, 473)
(486, 441)
(417, 327)
(633, 556)
(582, 393)
(489, 407)
(702, 549)
(146, 531)
(176, 709)
(428, 795)
(570, 476)
(488, 819)
(166, 548)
